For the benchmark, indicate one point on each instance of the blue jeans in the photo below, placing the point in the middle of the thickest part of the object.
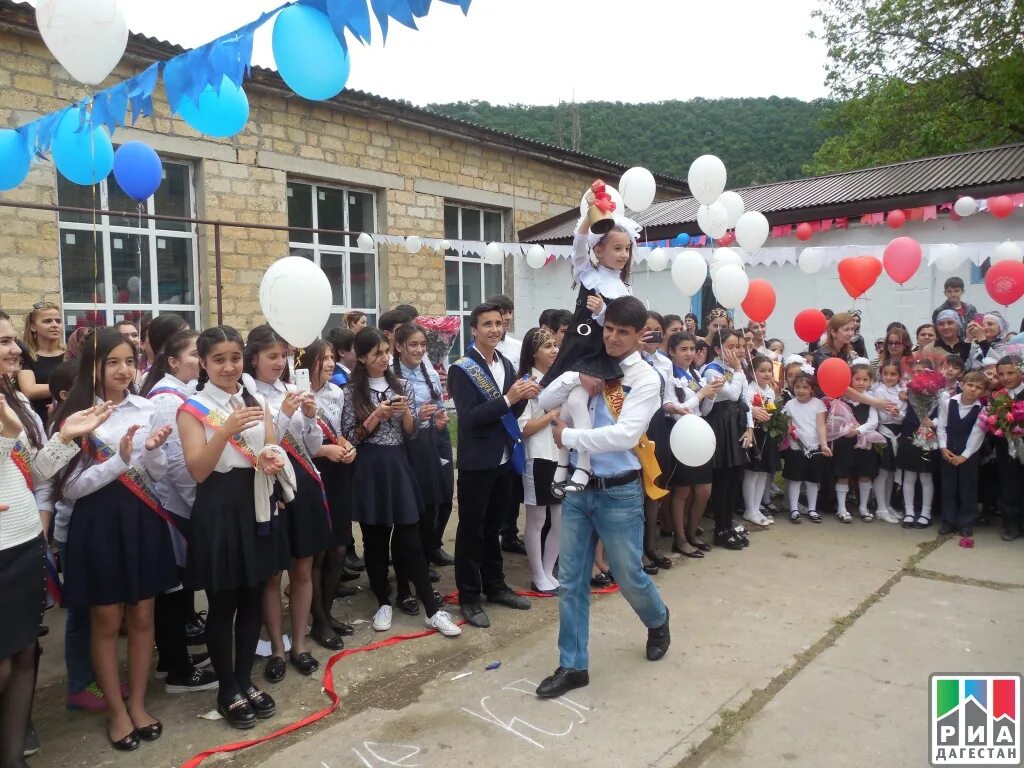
(77, 638)
(616, 517)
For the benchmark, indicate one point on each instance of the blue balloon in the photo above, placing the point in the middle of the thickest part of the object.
(83, 154)
(221, 115)
(15, 159)
(138, 170)
(681, 240)
(309, 56)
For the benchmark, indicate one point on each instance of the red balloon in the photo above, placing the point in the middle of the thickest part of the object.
(727, 239)
(1000, 206)
(858, 274)
(1005, 282)
(809, 324)
(804, 231)
(760, 301)
(896, 219)
(901, 259)
(834, 377)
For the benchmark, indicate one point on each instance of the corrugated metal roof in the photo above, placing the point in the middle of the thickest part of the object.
(913, 182)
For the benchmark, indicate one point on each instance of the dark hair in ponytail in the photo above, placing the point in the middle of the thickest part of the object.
(366, 341)
(403, 333)
(162, 328)
(205, 345)
(173, 347)
(260, 339)
(25, 414)
(312, 358)
(534, 339)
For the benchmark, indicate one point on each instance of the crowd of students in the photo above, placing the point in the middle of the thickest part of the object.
(230, 460)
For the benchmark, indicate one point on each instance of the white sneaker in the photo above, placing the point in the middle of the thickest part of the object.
(382, 618)
(756, 518)
(887, 517)
(442, 622)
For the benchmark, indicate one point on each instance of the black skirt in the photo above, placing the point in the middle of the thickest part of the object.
(118, 550)
(849, 461)
(728, 420)
(22, 594)
(683, 476)
(911, 458)
(799, 467)
(582, 347)
(658, 431)
(887, 460)
(764, 454)
(537, 483)
(225, 551)
(338, 484)
(307, 516)
(426, 466)
(384, 490)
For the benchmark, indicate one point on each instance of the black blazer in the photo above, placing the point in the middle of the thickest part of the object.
(482, 438)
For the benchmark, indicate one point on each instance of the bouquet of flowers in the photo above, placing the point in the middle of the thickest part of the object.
(778, 423)
(1004, 417)
(441, 331)
(923, 392)
(840, 420)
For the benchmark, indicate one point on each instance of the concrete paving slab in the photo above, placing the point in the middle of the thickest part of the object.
(991, 559)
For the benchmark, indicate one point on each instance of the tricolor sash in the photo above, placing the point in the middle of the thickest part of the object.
(23, 461)
(485, 386)
(135, 481)
(614, 397)
(215, 419)
(166, 391)
(330, 434)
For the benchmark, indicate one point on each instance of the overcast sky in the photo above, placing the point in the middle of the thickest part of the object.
(544, 51)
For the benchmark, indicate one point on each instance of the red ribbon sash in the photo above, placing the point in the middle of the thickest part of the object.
(23, 461)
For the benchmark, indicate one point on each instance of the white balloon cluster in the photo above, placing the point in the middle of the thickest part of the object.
(87, 37)
(720, 209)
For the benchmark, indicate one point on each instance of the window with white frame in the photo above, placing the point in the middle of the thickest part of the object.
(125, 267)
(470, 277)
(351, 270)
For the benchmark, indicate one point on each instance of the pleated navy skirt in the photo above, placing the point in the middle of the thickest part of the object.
(426, 466)
(307, 517)
(728, 421)
(22, 594)
(337, 479)
(384, 490)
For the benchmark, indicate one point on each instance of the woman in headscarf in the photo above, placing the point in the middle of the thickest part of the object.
(949, 329)
(988, 338)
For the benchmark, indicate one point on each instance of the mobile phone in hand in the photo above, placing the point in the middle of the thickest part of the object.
(302, 380)
(655, 337)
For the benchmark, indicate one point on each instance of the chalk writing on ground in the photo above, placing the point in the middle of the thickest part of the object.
(573, 715)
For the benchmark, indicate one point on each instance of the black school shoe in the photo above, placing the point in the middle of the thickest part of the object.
(275, 670)
(237, 712)
(562, 681)
(260, 701)
(729, 540)
(658, 640)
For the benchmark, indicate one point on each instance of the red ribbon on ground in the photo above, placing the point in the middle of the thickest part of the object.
(328, 683)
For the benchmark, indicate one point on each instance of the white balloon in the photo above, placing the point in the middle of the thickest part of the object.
(730, 286)
(295, 296)
(413, 244)
(692, 441)
(965, 206)
(637, 187)
(87, 37)
(365, 242)
(657, 260)
(723, 257)
(713, 220)
(752, 231)
(946, 257)
(613, 193)
(535, 256)
(494, 251)
(1006, 251)
(446, 244)
(733, 204)
(706, 179)
(689, 271)
(811, 260)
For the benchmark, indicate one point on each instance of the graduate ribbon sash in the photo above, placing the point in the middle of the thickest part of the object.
(135, 481)
(330, 435)
(215, 420)
(298, 453)
(23, 461)
(614, 397)
(485, 386)
(166, 391)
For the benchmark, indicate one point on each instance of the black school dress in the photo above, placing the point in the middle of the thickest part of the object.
(909, 457)
(847, 459)
(683, 476)
(764, 455)
(728, 419)
(337, 477)
(583, 345)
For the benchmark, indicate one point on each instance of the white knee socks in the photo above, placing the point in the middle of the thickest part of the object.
(841, 490)
(753, 490)
(864, 486)
(812, 495)
(793, 494)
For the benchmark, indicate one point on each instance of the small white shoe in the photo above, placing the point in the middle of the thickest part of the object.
(442, 622)
(382, 618)
(756, 518)
(887, 517)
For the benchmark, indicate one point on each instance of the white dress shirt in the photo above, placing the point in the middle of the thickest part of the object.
(689, 385)
(303, 429)
(176, 489)
(731, 391)
(330, 399)
(541, 444)
(977, 436)
(511, 348)
(216, 399)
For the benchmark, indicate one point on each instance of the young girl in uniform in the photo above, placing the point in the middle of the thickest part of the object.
(236, 541)
(119, 553)
(691, 486)
(764, 460)
(891, 390)
(733, 424)
(539, 352)
(582, 348)
(377, 418)
(658, 432)
(851, 462)
(334, 463)
(307, 517)
(917, 464)
(408, 364)
(804, 460)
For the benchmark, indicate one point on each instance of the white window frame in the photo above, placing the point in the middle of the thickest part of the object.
(317, 248)
(453, 256)
(114, 310)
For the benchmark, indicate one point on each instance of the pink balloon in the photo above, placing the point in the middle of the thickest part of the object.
(896, 219)
(1000, 206)
(901, 259)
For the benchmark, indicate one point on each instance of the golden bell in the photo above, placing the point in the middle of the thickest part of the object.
(601, 223)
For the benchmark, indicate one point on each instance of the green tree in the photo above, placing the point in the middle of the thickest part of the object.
(920, 77)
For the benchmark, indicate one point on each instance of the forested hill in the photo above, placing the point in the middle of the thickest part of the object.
(760, 140)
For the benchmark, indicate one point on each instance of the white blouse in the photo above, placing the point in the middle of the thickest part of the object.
(892, 395)
(216, 399)
(303, 429)
(805, 420)
(176, 490)
(541, 444)
(732, 391)
(330, 399)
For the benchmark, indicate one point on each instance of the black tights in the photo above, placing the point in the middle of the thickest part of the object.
(426, 531)
(327, 568)
(17, 681)
(233, 623)
(406, 553)
(727, 484)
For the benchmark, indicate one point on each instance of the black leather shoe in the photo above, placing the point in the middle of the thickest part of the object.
(601, 580)
(539, 591)
(441, 558)
(127, 744)
(658, 640)
(433, 575)
(150, 732)
(304, 662)
(275, 669)
(342, 628)
(728, 540)
(238, 713)
(261, 702)
(946, 528)
(353, 562)
(563, 681)
(513, 544)
(326, 638)
(474, 615)
(506, 596)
